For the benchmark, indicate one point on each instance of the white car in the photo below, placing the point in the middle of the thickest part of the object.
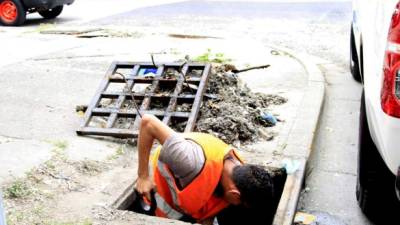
(375, 61)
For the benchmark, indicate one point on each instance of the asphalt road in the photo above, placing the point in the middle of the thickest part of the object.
(318, 28)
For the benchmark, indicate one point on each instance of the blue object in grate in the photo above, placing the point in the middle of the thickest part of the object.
(145, 71)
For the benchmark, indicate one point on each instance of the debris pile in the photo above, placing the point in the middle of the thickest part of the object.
(229, 111)
(236, 112)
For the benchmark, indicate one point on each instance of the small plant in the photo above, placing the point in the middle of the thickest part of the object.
(18, 189)
(210, 57)
(120, 151)
(59, 148)
(204, 57)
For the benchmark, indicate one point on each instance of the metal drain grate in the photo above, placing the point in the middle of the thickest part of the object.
(172, 92)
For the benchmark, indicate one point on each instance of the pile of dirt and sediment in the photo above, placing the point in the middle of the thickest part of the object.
(235, 112)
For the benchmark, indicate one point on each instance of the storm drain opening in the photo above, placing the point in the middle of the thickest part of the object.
(172, 92)
(129, 200)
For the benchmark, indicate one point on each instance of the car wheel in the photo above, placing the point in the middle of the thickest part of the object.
(51, 13)
(12, 13)
(354, 64)
(375, 190)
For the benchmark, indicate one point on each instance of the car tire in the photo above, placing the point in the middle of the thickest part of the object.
(12, 13)
(375, 190)
(354, 64)
(51, 13)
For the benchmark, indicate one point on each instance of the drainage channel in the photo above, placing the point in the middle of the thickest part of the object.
(129, 200)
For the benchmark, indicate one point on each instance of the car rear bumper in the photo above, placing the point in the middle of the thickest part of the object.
(385, 132)
(46, 4)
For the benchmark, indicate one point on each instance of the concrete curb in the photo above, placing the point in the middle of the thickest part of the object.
(301, 136)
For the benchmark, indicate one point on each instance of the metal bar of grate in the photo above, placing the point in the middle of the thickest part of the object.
(199, 97)
(121, 99)
(174, 99)
(158, 92)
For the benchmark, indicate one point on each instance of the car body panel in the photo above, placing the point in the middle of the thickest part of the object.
(45, 4)
(371, 22)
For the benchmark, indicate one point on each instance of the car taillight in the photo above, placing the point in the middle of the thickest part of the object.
(390, 93)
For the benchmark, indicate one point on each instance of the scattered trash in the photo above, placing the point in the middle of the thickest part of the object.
(274, 52)
(304, 218)
(290, 165)
(264, 134)
(268, 117)
(236, 71)
(81, 108)
(144, 71)
(317, 218)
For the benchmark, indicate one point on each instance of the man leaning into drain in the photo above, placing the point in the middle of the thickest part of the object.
(196, 175)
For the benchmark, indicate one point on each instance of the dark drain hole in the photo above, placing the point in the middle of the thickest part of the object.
(232, 215)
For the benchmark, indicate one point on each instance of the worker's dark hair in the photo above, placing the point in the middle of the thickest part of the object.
(255, 184)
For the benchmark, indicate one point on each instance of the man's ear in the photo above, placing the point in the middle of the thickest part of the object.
(233, 196)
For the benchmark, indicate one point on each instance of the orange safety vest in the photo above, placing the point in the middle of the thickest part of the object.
(197, 199)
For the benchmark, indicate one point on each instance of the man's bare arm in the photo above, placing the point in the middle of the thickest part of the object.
(151, 128)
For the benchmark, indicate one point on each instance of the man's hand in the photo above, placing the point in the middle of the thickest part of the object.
(144, 185)
(151, 128)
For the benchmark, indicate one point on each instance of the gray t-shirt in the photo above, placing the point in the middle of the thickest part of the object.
(184, 158)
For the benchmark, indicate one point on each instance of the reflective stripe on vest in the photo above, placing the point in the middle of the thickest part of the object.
(170, 181)
(166, 208)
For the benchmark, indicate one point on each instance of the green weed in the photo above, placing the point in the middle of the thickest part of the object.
(209, 56)
(60, 144)
(18, 189)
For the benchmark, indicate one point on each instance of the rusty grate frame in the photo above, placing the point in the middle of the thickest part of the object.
(113, 113)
